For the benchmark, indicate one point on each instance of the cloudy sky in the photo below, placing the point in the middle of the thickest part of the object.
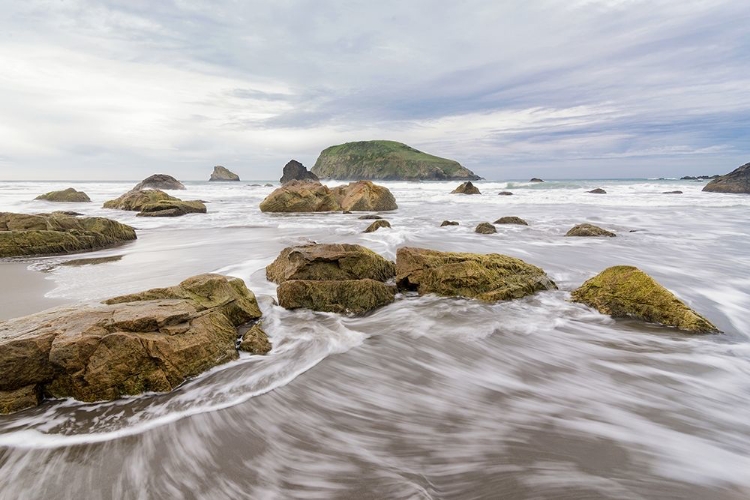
(511, 89)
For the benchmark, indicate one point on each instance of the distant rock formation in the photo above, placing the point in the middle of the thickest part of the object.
(699, 177)
(69, 195)
(597, 191)
(223, 174)
(159, 181)
(386, 160)
(295, 171)
(736, 181)
(466, 188)
(535, 179)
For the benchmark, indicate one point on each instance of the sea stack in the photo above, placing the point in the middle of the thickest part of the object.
(295, 171)
(223, 174)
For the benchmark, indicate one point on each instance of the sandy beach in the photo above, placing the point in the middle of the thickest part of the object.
(23, 291)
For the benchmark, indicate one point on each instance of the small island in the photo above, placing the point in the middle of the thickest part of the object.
(223, 174)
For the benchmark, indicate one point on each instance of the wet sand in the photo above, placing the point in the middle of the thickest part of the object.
(23, 291)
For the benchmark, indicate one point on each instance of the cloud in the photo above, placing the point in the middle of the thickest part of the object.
(125, 88)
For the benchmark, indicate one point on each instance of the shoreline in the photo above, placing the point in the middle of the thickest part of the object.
(24, 291)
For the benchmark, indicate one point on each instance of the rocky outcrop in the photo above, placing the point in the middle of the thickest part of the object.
(505, 193)
(485, 228)
(490, 277)
(295, 171)
(223, 174)
(626, 291)
(254, 340)
(597, 191)
(449, 223)
(57, 233)
(737, 181)
(535, 179)
(309, 196)
(149, 341)
(386, 160)
(69, 195)
(349, 296)
(511, 220)
(466, 188)
(155, 203)
(588, 230)
(377, 225)
(159, 181)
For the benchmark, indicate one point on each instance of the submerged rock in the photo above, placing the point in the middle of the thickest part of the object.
(329, 261)
(597, 191)
(347, 296)
(736, 181)
(57, 233)
(485, 228)
(535, 179)
(588, 230)
(295, 171)
(505, 193)
(466, 188)
(69, 195)
(377, 225)
(159, 181)
(449, 223)
(490, 277)
(511, 220)
(626, 291)
(672, 192)
(365, 196)
(369, 217)
(149, 341)
(155, 203)
(223, 174)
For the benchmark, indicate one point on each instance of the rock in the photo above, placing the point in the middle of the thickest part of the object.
(672, 192)
(588, 230)
(626, 291)
(223, 174)
(699, 178)
(57, 233)
(369, 217)
(490, 277)
(69, 195)
(364, 196)
(466, 188)
(485, 228)
(149, 341)
(347, 212)
(597, 191)
(386, 160)
(255, 340)
(268, 185)
(331, 261)
(300, 196)
(377, 225)
(505, 193)
(155, 203)
(736, 181)
(449, 223)
(535, 179)
(511, 220)
(254, 185)
(295, 171)
(347, 296)
(159, 181)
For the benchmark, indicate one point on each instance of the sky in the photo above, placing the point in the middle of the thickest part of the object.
(121, 89)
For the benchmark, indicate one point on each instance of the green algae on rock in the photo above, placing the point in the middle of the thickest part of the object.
(626, 291)
(377, 225)
(155, 203)
(589, 230)
(485, 228)
(57, 233)
(340, 296)
(490, 277)
(255, 340)
(386, 160)
(69, 195)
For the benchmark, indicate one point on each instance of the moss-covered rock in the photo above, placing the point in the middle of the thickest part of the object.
(589, 230)
(255, 340)
(377, 225)
(385, 160)
(334, 261)
(626, 291)
(149, 341)
(736, 181)
(348, 296)
(301, 196)
(511, 220)
(490, 277)
(466, 188)
(69, 195)
(57, 233)
(364, 196)
(449, 223)
(172, 208)
(485, 228)
(155, 203)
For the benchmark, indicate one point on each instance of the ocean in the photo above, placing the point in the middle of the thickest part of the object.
(427, 398)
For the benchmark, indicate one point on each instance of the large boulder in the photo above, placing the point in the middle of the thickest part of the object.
(144, 342)
(736, 181)
(466, 188)
(626, 291)
(589, 230)
(329, 261)
(159, 181)
(57, 233)
(155, 203)
(348, 296)
(364, 196)
(295, 171)
(386, 160)
(223, 174)
(69, 195)
(490, 277)
(300, 196)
